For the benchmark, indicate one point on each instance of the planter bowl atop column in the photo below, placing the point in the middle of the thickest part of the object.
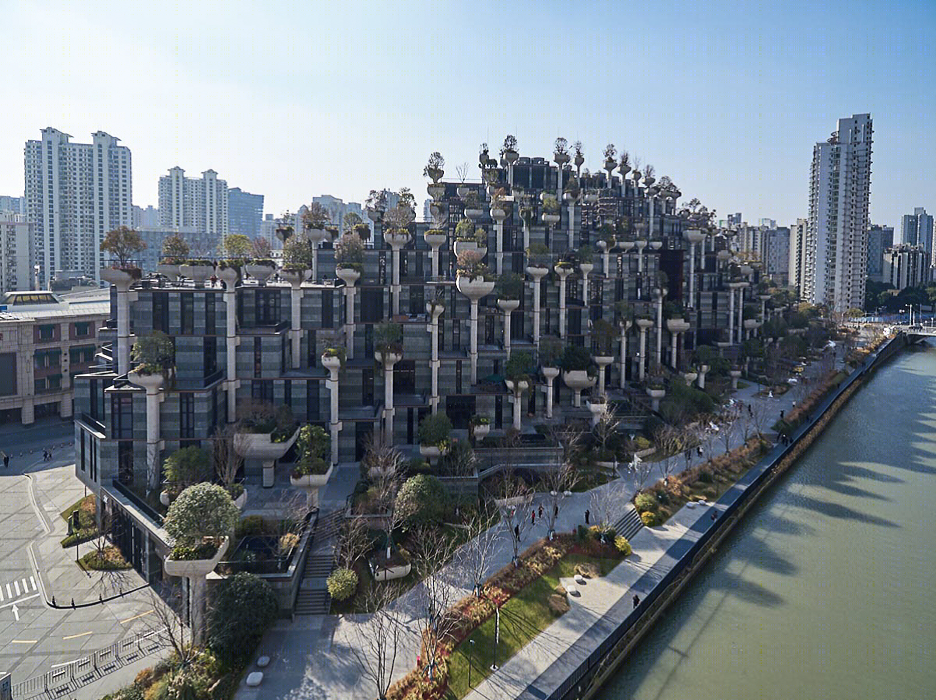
(261, 446)
(147, 381)
(551, 218)
(295, 277)
(261, 273)
(331, 362)
(197, 273)
(195, 567)
(118, 277)
(348, 275)
(508, 305)
(169, 270)
(311, 483)
(474, 287)
(677, 325)
(481, 430)
(461, 246)
(434, 240)
(392, 357)
(577, 379)
(391, 573)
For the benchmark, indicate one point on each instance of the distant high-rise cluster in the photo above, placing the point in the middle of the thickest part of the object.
(75, 194)
(836, 245)
(245, 212)
(194, 203)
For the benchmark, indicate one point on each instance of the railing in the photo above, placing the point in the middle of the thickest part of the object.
(142, 505)
(199, 382)
(92, 422)
(65, 678)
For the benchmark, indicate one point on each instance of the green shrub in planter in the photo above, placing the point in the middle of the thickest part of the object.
(650, 519)
(434, 429)
(342, 583)
(645, 502)
(623, 546)
(421, 500)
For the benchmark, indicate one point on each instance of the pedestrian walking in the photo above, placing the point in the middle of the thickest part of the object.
(781, 414)
(517, 531)
(636, 601)
(6, 460)
(587, 516)
(556, 511)
(714, 516)
(532, 517)
(541, 511)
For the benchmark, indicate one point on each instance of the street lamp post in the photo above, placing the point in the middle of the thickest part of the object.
(471, 642)
(496, 635)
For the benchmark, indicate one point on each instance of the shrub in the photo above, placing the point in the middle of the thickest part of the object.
(649, 518)
(249, 525)
(186, 467)
(246, 606)
(576, 357)
(434, 429)
(622, 545)
(645, 502)
(421, 500)
(314, 448)
(342, 583)
(202, 510)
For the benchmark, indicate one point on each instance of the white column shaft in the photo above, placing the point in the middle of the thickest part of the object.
(296, 332)
(474, 341)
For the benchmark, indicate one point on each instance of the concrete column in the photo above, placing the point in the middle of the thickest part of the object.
(499, 241)
(473, 350)
(674, 339)
(537, 273)
(562, 273)
(571, 220)
(434, 311)
(389, 360)
(624, 328)
(333, 364)
(741, 312)
(508, 306)
(731, 313)
(395, 288)
(658, 354)
(550, 373)
(640, 245)
(152, 439)
(602, 363)
(643, 324)
(122, 280)
(585, 269)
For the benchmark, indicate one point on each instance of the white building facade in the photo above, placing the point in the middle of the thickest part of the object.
(194, 203)
(16, 253)
(75, 194)
(837, 235)
(906, 266)
(798, 255)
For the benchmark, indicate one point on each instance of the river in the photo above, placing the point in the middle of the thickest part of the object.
(824, 591)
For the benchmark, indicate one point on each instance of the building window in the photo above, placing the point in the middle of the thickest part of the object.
(328, 311)
(187, 313)
(267, 307)
(186, 415)
(210, 315)
(258, 356)
(122, 415)
(82, 329)
(125, 462)
(46, 332)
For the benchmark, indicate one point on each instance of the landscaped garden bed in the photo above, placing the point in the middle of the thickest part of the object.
(107, 559)
(87, 521)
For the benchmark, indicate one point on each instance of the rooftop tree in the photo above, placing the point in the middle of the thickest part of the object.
(123, 243)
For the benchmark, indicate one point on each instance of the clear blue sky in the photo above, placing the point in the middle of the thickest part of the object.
(292, 99)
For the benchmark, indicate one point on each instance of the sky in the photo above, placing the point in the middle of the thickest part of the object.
(296, 99)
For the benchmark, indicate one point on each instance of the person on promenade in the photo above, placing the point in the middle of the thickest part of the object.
(532, 517)
(541, 511)
(636, 601)
(587, 515)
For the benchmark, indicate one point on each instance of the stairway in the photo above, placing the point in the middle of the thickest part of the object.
(313, 598)
(629, 524)
(327, 526)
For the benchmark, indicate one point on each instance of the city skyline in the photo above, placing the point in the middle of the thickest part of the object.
(709, 114)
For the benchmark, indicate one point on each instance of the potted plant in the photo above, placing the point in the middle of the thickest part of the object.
(152, 357)
(509, 290)
(315, 219)
(349, 258)
(509, 149)
(610, 161)
(480, 426)
(333, 357)
(579, 157)
(469, 237)
(261, 269)
(472, 276)
(550, 208)
(183, 468)
(313, 468)
(473, 205)
(199, 522)
(561, 151)
(434, 432)
(388, 342)
(362, 230)
(538, 255)
(284, 227)
(175, 251)
(435, 237)
(576, 370)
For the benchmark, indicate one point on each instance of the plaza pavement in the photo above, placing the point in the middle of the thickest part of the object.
(311, 657)
(37, 636)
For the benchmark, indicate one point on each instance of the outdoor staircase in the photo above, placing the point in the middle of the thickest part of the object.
(313, 598)
(629, 524)
(327, 526)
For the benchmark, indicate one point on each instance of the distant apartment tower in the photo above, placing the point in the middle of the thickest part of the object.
(917, 229)
(880, 238)
(338, 208)
(734, 219)
(797, 255)
(16, 253)
(245, 212)
(75, 194)
(905, 266)
(776, 254)
(145, 218)
(194, 203)
(837, 235)
(17, 205)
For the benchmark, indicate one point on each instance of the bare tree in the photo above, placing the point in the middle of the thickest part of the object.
(636, 472)
(513, 497)
(670, 442)
(167, 625)
(760, 415)
(384, 464)
(726, 428)
(227, 460)
(352, 542)
(476, 555)
(558, 480)
(377, 640)
(436, 592)
(603, 503)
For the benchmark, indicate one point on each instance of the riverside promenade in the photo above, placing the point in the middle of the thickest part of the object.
(311, 657)
(555, 664)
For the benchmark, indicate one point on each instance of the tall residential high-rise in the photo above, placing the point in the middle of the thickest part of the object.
(776, 254)
(797, 255)
(194, 203)
(905, 266)
(837, 235)
(16, 253)
(75, 194)
(338, 208)
(145, 218)
(880, 238)
(917, 229)
(245, 212)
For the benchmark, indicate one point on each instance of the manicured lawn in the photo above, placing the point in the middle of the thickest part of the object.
(86, 508)
(522, 618)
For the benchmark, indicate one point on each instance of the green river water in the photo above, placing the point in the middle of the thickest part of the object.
(827, 589)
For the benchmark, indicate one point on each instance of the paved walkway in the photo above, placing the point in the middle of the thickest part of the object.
(311, 657)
